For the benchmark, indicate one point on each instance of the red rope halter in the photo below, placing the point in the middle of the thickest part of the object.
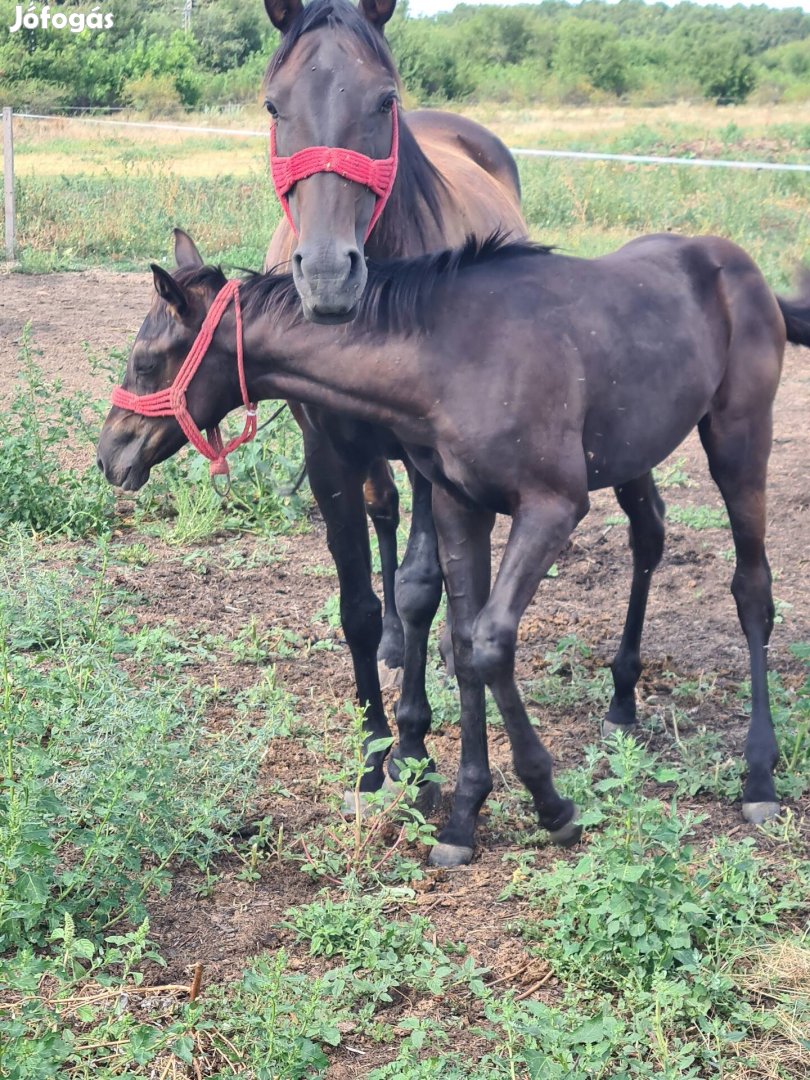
(377, 174)
(172, 401)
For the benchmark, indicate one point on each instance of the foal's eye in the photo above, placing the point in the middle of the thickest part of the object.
(145, 365)
(271, 109)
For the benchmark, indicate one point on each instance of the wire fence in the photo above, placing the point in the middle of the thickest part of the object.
(243, 133)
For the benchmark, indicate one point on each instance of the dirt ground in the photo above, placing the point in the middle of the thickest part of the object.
(692, 631)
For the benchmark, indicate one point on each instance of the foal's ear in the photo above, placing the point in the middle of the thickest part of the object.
(169, 290)
(282, 12)
(185, 252)
(378, 12)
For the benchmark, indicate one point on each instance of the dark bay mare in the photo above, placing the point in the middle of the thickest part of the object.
(517, 380)
(333, 83)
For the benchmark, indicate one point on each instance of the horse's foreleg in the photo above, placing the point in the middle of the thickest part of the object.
(645, 510)
(738, 447)
(338, 490)
(418, 592)
(540, 528)
(382, 506)
(464, 549)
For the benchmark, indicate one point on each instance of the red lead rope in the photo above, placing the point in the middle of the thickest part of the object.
(377, 174)
(172, 401)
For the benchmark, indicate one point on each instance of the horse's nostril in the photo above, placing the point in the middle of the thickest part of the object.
(355, 262)
(100, 463)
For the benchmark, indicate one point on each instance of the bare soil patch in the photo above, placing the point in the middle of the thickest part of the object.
(692, 634)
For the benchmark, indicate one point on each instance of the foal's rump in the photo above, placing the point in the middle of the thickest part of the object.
(682, 327)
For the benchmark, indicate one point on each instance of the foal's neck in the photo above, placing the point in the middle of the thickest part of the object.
(340, 368)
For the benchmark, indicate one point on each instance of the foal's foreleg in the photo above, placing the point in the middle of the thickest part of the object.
(738, 448)
(338, 490)
(418, 592)
(464, 549)
(382, 506)
(539, 530)
(645, 510)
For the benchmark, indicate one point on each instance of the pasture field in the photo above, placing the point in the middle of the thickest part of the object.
(90, 195)
(176, 725)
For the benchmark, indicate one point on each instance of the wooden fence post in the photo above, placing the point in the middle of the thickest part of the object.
(8, 181)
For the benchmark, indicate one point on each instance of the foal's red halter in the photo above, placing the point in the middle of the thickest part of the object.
(172, 400)
(377, 174)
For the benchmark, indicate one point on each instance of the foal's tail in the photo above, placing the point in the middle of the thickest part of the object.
(796, 313)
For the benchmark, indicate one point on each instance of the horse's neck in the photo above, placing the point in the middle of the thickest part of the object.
(336, 368)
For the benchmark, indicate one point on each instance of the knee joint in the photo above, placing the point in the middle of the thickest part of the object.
(418, 592)
(493, 650)
(361, 619)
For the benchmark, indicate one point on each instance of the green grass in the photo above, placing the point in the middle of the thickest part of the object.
(129, 756)
(125, 218)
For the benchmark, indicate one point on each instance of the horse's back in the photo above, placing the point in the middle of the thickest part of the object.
(473, 140)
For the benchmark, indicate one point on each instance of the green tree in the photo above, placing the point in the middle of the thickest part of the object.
(590, 50)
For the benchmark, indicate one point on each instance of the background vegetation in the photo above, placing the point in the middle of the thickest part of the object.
(550, 52)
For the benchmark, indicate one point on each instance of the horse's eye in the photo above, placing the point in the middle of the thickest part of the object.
(271, 109)
(145, 365)
(387, 104)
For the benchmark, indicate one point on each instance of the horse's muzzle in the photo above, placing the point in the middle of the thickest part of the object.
(329, 282)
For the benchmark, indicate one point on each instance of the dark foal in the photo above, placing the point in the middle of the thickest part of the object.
(332, 82)
(518, 380)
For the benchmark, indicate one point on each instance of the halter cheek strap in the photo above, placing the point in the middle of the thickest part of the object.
(377, 174)
(172, 401)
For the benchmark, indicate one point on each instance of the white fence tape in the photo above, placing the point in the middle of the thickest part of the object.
(519, 151)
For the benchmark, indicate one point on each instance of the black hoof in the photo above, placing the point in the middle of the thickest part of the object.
(427, 799)
(450, 855)
(569, 834)
(610, 728)
(757, 813)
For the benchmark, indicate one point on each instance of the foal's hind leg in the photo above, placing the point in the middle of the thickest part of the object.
(645, 510)
(382, 506)
(738, 446)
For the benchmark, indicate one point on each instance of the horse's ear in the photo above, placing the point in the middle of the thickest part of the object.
(185, 251)
(378, 12)
(169, 290)
(282, 12)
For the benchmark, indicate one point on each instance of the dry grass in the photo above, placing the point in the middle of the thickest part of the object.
(777, 977)
(66, 146)
(529, 126)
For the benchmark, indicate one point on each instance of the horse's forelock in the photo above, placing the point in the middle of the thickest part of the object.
(334, 15)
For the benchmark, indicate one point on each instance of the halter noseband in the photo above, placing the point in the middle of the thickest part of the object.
(377, 174)
(172, 400)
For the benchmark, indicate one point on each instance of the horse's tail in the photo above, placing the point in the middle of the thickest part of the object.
(796, 313)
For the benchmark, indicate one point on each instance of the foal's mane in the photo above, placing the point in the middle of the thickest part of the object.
(402, 296)
(416, 195)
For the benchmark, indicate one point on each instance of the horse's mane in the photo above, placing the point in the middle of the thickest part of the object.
(417, 191)
(402, 296)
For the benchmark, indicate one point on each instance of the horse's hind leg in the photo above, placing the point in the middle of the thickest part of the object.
(738, 445)
(382, 506)
(645, 510)
(418, 592)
